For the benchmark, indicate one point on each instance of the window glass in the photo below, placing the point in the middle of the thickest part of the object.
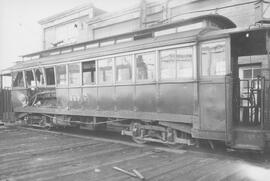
(123, 68)
(29, 77)
(145, 66)
(184, 62)
(213, 59)
(61, 75)
(74, 74)
(105, 69)
(39, 77)
(17, 79)
(167, 64)
(50, 79)
(89, 72)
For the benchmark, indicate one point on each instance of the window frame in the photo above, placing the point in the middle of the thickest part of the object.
(54, 69)
(34, 76)
(226, 58)
(80, 75)
(132, 56)
(96, 73)
(113, 71)
(155, 67)
(23, 78)
(176, 78)
(56, 83)
(43, 72)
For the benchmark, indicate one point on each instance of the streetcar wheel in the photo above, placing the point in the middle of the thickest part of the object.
(137, 133)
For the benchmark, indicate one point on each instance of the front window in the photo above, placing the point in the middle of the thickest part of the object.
(105, 69)
(29, 76)
(145, 66)
(74, 74)
(17, 79)
(123, 68)
(213, 61)
(61, 75)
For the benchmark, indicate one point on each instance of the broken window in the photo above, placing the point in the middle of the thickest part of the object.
(61, 75)
(74, 73)
(29, 77)
(17, 79)
(89, 72)
(39, 77)
(50, 77)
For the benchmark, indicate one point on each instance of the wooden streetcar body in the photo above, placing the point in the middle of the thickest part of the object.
(199, 106)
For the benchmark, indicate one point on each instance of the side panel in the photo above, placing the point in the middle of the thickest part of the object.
(212, 106)
(106, 98)
(89, 98)
(62, 98)
(145, 99)
(75, 99)
(177, 98)
(124, 97)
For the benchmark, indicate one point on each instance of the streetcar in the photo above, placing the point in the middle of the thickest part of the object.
(177, 83)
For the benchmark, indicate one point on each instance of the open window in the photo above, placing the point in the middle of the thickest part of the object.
(61, 75)
(74, 72)
(39, 77)
(29, 77)
(89, 72)
(50, 77)
(17, 79)
(123, 68)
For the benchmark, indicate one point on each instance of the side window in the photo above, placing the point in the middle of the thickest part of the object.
(123, 68)
(89, 72)
(39, 77)
(105, 69)
(213, 61)
(145, 66)
(50, 77)
(167, 64)
(17, 79)
(74, 72)
(61, 75)
(184, 62)
(176, 63)
(29, 77)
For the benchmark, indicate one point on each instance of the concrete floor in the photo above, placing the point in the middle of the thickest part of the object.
(27, 154)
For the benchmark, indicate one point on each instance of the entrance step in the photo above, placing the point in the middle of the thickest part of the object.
(247, 138)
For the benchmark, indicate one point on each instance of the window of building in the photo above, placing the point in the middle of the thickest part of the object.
(89, 72)
(74, 72)
(17, 79)
(213, 61)
(105, 69)
(145, 66)
(39, 77)
(184, 63)
(29, 77)
(61, 75)
(50, 77)
(123, 68)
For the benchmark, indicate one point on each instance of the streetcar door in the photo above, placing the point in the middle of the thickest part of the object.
(249, 60)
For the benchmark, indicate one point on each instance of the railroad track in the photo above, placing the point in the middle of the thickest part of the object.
(68, 154)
